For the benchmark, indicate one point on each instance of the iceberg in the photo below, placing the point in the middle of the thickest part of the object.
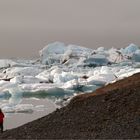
(20, 71)
(96, 60)
(136, 56)
(58, 52)
(132, 48)
(52, 53)
(63, 71)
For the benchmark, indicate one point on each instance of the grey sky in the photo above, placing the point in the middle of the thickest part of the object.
(26, 26)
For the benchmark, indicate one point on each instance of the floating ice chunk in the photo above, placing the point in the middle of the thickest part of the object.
(52, 53)
(30, 79)
(128, 73)
(100, 49)
(25, 79)
(14, 90)
(17, 79)
(16, 97)
(23, 71)
(5, 63)
(115, 55)
(67, 55)
(105, 70)
(7, 109)
(126, 63)
(74, 52)
(132, 48)
(24, 108)
(93, 72)
(47, 77)
(96, 60)
(56, 70)
(59, 53)
(79, 51)
(89, 88)
(63, 77)
(136, 56)
(96, 81)
(101, 79)
(37, 87)
(3, 83)
(99, 70)
(21, 108)
(72, 84)
(56, 47)
(103, 76)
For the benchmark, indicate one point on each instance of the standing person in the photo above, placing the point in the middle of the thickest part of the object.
(1, 120)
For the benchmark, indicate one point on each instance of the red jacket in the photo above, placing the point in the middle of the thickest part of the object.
(1, 117)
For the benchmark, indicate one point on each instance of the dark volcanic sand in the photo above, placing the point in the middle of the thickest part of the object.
(110, 112)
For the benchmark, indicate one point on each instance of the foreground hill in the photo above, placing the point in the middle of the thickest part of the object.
(110, 112)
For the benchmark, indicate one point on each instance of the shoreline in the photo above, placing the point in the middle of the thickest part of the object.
(109, 112)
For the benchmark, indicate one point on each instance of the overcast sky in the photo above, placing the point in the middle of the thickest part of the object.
(26, 26)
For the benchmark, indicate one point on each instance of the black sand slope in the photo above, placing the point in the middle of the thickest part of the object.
(110, 112)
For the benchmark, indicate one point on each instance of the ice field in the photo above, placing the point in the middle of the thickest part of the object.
(61, 72)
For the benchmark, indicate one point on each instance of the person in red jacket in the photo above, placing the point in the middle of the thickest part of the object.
(1, 120)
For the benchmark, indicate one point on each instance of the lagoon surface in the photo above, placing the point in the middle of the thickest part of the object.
(43, 107)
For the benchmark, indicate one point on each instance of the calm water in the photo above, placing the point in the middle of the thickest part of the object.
(43, 107)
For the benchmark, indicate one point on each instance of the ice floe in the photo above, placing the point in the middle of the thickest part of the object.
(63, 70)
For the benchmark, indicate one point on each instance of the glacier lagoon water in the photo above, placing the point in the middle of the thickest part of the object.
(33, 88)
